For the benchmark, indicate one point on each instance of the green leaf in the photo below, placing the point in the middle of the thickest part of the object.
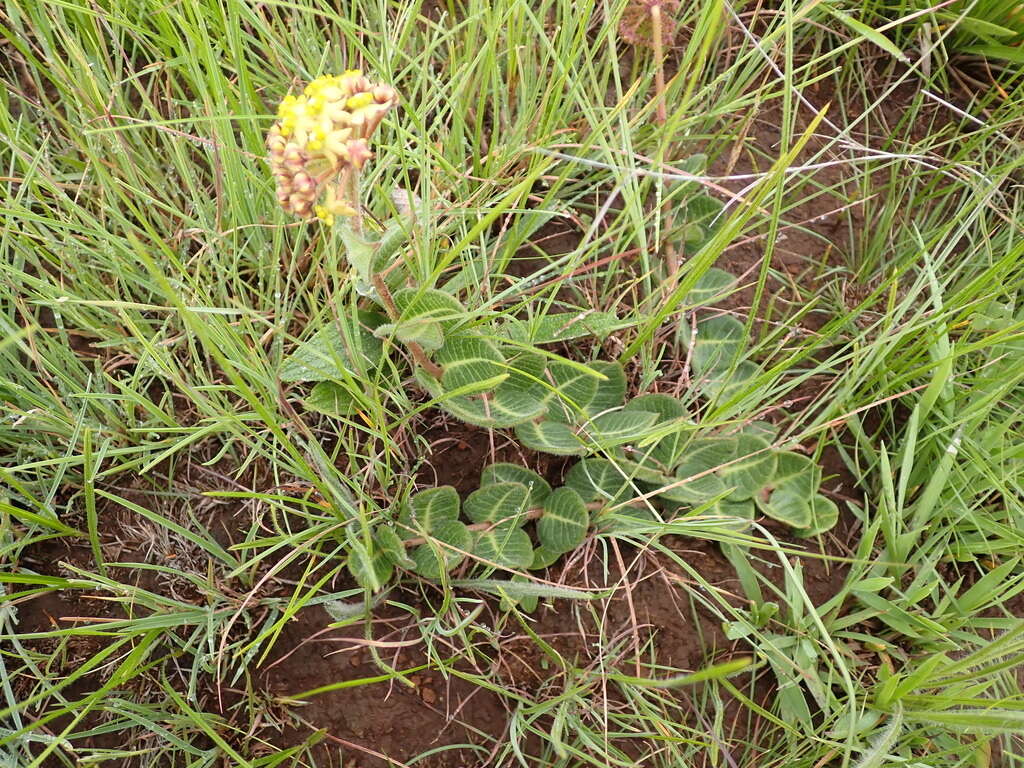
(371, 572)
(526, 371)
(426, 509)
(618, 427)
(713, 286)
(862, 29)
(427, 333)
(333, 349)
(719, 342)
(714, 672)
(331, 399)
(504, 545)
(763, 429)
(640, 465)
(743, 510)
(793, 486)
(703, 209)
(499, 502)
(788, 507)
(503, 472)
(527, 603)
(666, 451)
(824, 516)
(609, 392)
(625, 519)
(543, 558)
(797, 473)
(751, 467)
(562, 326)
(430, 304)
(701, 460)
(550, 437)
(723, 384)
(393, 547)
(449, 541)
(469, 361)
(361, 254)
(667, 407)
(595, 479)
(507, 405)
(976, 26)
(1012, 53)
(574, 387)
(564, 523)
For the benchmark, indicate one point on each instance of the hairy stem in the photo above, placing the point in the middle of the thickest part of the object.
(415, 349)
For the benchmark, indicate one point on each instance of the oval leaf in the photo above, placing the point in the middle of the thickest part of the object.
(504, 545)
(503, 472)
(574, 387)
(331, 399)
(470, 362)
(427, 509)
(446, 548)
(550, 437)
(610, 391)
(719, 342)
(824, 516)
(429, 304)
(392, 545)
(596, 479)
(564, 523)
(504, 503)
(752, 467)
(618, 427)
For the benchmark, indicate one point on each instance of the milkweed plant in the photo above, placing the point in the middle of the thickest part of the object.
(643, 460)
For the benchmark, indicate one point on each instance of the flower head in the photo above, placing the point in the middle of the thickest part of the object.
(321, 139)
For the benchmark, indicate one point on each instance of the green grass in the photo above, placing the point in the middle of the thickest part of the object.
(151, 289)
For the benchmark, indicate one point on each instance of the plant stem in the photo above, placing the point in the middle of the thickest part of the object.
(414, 349)
(350, 180)
(659, 61)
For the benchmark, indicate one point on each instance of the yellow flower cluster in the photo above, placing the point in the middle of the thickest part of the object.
(321, 139)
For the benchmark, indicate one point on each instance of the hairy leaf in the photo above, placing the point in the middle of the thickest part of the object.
(419, 330)
(610, 392)
(751, 467)
(713, 286)
(429, 304)
(550, 437)
(331, 399)
(426, 509)
(574, 388)
(718, 344)
(392, 545)
(449, 541)
(469, 361)
(504, 502)
(503, 472)
(562, 326)
(618, 427)
(824, 516)
(333, 349)
(565, 521)
(504, 545)
(371, 571)
(595, 479)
